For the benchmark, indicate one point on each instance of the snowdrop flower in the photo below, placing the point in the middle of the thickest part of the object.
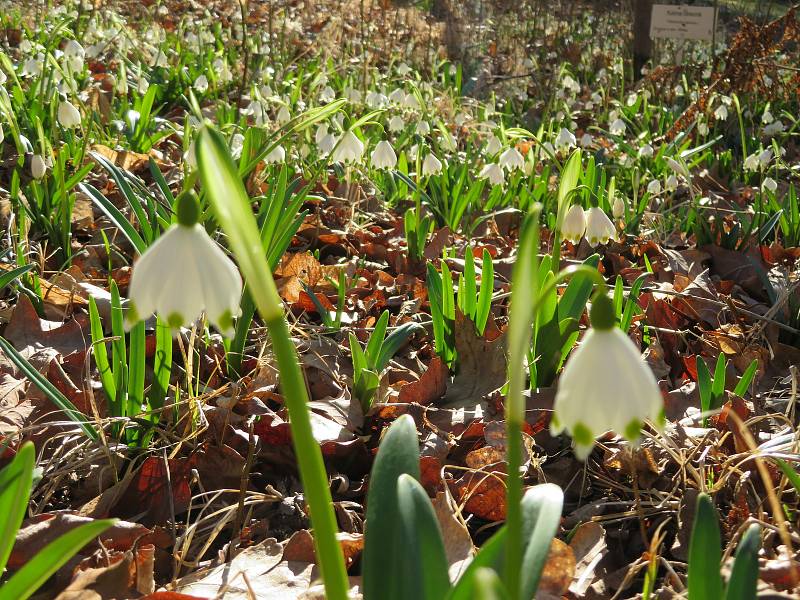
(283, 116)
(769, 184)
(493, 146)
(617, 127)
(38, 166)
(397, 95)
(565, 140)
(765, 157)
(276, 155)
(327, 95)
(618, 208)
(410, 102)
(222, 70)
(237, 144)
(460, 119)
(353, 95)
(721, 113)
(201, 84)
(184, 273)
(654, 187)
(646, 151)
(403, 69)
(142, 85)
(74, 55)
(413, 151)
(33, 66)
(511, 159)
(605, 386)
(751, 163)
(672, 183)
(494, 173)
(383, 157)
(376, 99)
(423, 128)
(678, 168)
(574, 225)
(396, 123)
(68, 116)
(431, 166)
(702, 128)
(586, 140)
(349, 149)
(774, 128)
(3, 77)
(767, 117)
(320, 133)
(599, 228)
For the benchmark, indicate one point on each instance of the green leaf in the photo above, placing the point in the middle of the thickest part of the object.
(746, 379)
(791, 474)
(484, 305)
(375, 342)
(101, 353)
(541, 515)
(394, 342)
(15, 490)
(47, 561)
(703, 385)
(115, 216)
(488, 586)
(136, 370)
(744, 574)
(9, 276)
(705, 554)
(718, 386)
(490, 556)
(425, 564)
(398, 454)
(469, 301)
(47, 388)
(162, 367)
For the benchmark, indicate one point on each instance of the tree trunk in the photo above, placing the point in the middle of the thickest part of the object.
(642, 44)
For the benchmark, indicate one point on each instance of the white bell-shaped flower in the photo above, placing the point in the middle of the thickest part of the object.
(565, 140)
(605, 386)
(618, 208)
(276, 155)
(349, 149)
(599, 228)
(2, 134)
(423, 128)
(283, 116)
(721, 112)
(410, 102)
(574, 225)
(511, 159)
(201, 84)
(396, 123)
(383, 156)
(69, 117)
(617, 127)
(493, 146)
(671, 184)
(654, 187)
(586, 140)
(397, 95)
(38, 166)
(431, 166)
(494, 173)
(646, 151)
(327, 95)
(769, 184)
(184, 273)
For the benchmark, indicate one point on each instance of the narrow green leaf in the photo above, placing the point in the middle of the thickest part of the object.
(9, 276)
(116, 217)
(792, 475)
(703, 384)
(375, 342)
(718, 385)
(746, 379)
(101, 353)
(470, 289)
(541, 514)
(162, 367)
(484, 305)
(705, 554)
(744, 574)
(15, 490)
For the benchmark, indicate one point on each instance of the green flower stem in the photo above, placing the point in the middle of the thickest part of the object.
(524, 306)
(231, 204)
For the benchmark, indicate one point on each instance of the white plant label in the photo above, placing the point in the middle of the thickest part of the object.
(682, 22)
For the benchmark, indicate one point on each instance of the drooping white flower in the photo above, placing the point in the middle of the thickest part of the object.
(396, 123)
(276, 155)
(765, 157)
(599, 228)
(751, 163)
(618, 208)
(283, 116)
(493, 173)
(617, 127)
(397, 95)
(606, 386)
(423, 128)
(654, 187)
(349, 149)
(383, 156)
(774, 128)
(767, 117)
(721, 112)
(38, 166)
(320, 133)
(672, 183)
(68, 116)
(201, 84)
(327, 95)
(74, 55)
(375, 99)
(511, 159)
(222, 70)
(431, 165)
(565, 140)
(493, 146)
(237, 145)
(353, 95)
(677, 167)
(769, 184)
(586, 140)
(403, 69)
(574, 225)
(410, 102)
(184, 273)
(646, 151)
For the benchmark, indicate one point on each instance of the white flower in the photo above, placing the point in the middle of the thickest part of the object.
(2, 134)
(74, 55)
(423, 128)
(396, 123)
(413, 151)
(769, 184)
(201, 84)
(618, 208)
(353, 95)
(586, 140)
(672, 183)
(646, 151)
(237, 144)
(184, 273)
(38, 166)
(721, 113)
(599, 228)
(397, 95)
(702, 128)
(222, 70)
(410, 102)
(574, 225)
(765, 157)
(461, 118)
(774, 128)
(678, 168)
(375, 99)
(605, 386)
(431, 165)
(617, 127)
(327, 95)
(68, 115)
(565, 140)
(751, 163)
(767, 117)
(403, 69)
(654, 187)
(493, 146)
(276, 155)
(349, 149)
(320, 133)
(494, 173)
(511, 159)
(283, 116)
(383, 157)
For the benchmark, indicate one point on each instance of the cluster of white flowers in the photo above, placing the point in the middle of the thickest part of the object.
(593, 224)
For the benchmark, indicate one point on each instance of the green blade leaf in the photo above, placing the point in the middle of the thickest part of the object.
(541, 514)
(484, 305)
(744, 574)
(705, 554)
(15, 490)
(376, 340)
(394, 342)
(747, 379)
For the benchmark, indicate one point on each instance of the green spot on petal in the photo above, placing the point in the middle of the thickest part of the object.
(582, 435)
(174, 320)
(225, 321)
(633, 429)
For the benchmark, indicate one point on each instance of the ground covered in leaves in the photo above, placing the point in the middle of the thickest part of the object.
(211, 504)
